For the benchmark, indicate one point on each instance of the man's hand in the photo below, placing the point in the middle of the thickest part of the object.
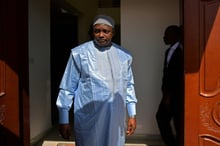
(131, 126)
(65, 131)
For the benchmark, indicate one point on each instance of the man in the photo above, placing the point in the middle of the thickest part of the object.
(171, 105)
(98, 78)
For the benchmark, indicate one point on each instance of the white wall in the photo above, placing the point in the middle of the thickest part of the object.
(142, 27)
(39, 67)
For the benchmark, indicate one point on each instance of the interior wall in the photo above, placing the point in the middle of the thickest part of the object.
(142, 27)
(39, 67)
(85, 15)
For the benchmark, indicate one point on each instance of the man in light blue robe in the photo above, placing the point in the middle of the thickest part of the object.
(98, 81)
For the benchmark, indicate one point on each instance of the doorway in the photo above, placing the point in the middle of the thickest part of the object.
(64, 36)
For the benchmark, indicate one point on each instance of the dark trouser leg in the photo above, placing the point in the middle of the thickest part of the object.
(179, 123)
(176, 121)
(164, 116)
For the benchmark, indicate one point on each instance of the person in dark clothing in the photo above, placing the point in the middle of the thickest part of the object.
(171, 105)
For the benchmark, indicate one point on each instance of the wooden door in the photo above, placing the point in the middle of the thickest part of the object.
(14, 111)
(202, 72)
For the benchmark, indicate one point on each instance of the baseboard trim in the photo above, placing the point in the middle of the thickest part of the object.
(37, 138)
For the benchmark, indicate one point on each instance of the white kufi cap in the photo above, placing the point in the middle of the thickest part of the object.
(103, 19)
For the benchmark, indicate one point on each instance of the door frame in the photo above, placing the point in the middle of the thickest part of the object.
(14, 44)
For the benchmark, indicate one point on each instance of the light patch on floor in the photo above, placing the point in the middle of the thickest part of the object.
(58, 143)
(71, 143)
(136, 144)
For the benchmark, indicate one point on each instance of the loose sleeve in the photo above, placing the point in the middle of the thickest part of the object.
(131, 97)
(68, 87)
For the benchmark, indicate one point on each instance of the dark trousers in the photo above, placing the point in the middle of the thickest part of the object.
(165, 114)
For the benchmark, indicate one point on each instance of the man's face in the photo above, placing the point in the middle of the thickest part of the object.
(102, 34)
(167, 37)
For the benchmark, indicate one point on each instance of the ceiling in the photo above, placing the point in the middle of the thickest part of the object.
(109, 3)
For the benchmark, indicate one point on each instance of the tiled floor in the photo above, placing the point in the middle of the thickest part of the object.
(53, 135)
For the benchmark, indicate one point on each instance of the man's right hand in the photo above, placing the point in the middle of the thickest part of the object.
(65, 131)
